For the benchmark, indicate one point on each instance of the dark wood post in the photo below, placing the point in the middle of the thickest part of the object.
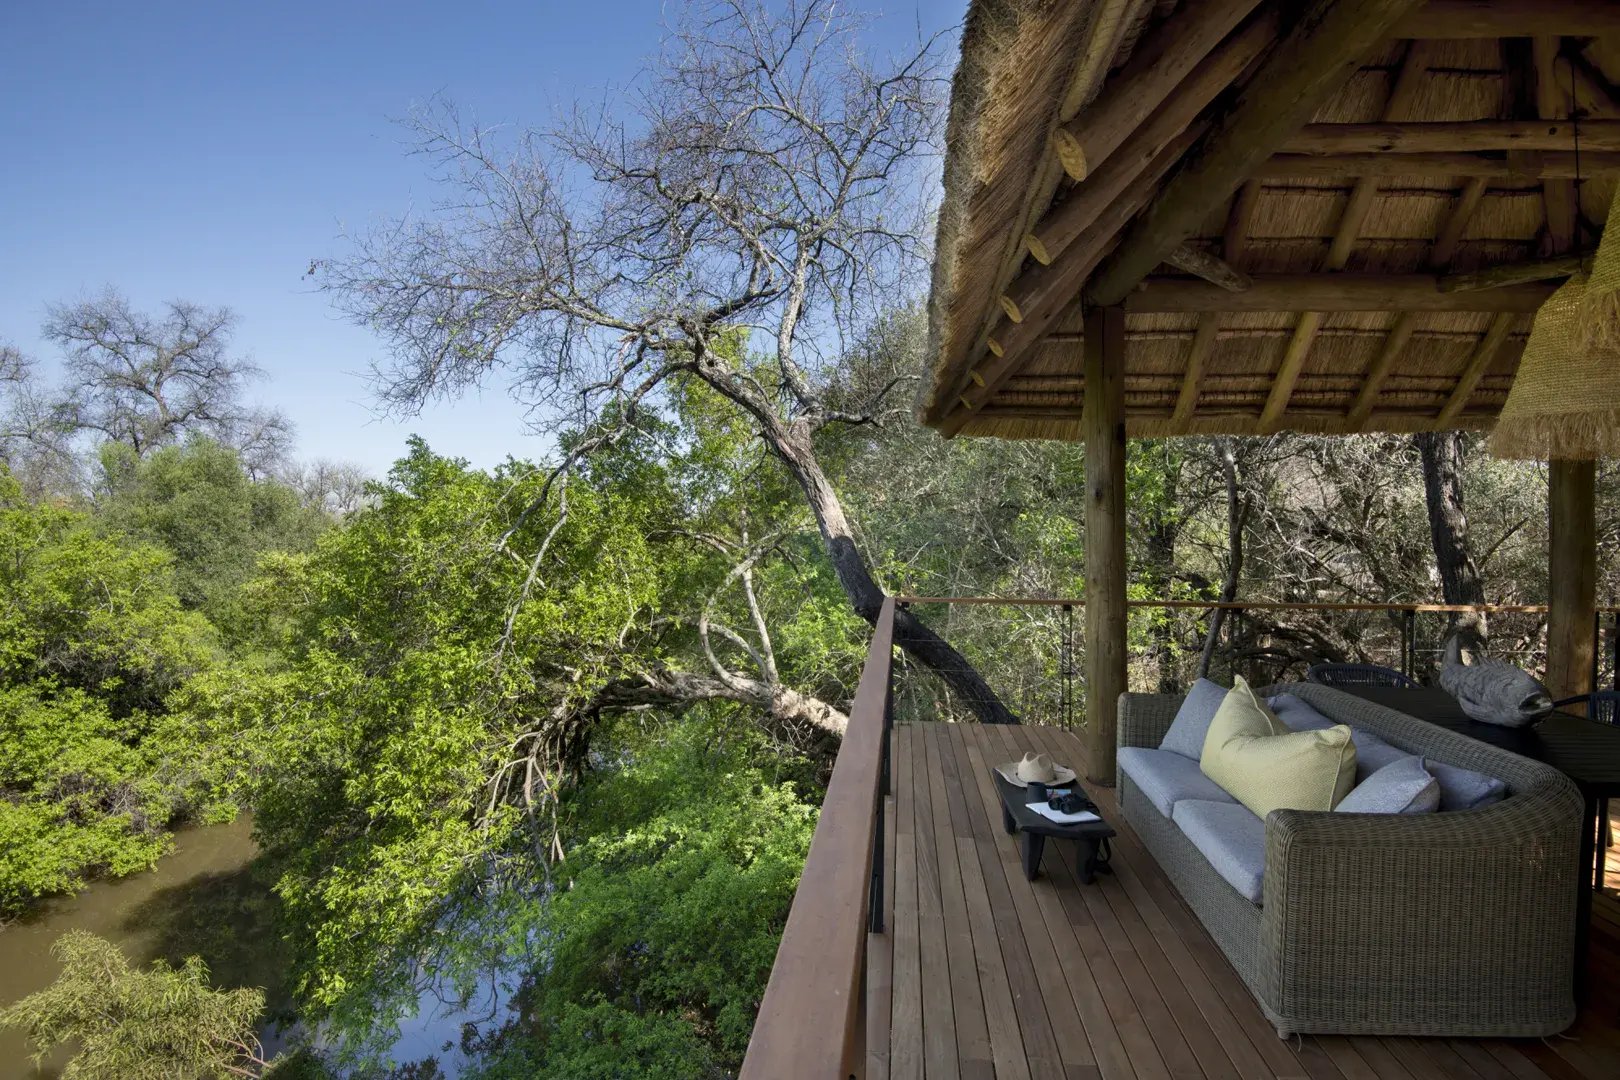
(1104, 425)
(1572, 574)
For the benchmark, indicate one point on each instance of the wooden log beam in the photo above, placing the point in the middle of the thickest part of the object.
(1456, 223)
(1169, 123)
(1203, 343)
(1443, 136)
(1551, 104)
(1414, 67)
(1157, 68)
(1484, 166)
(1509, 18)
(1332, 292)
(1322, 49)
(1103, 425)
(1373, 382)
(1216, 271)
(1006, 347)
(1478, 362)
(1494, 277)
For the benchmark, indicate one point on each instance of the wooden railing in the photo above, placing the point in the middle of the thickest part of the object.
(810, 1024)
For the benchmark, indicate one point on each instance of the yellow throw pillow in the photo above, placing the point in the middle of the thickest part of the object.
(1266, 767)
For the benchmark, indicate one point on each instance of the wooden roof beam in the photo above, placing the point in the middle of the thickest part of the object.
(1157, 68)
(1441, 136)
(1414, 66)
(1322, 49)
(1483, 354)
(1064, 223)
(1331, 292)
(1446, 163)
(1509, 18)
(1216, 271)
(1494, 277)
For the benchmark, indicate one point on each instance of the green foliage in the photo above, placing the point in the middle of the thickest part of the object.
(198, 502)
(658, 943)
(93, 643)
(163, 1023)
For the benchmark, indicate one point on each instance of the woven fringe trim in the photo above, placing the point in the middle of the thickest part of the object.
(1598, 324)
(1571, 437)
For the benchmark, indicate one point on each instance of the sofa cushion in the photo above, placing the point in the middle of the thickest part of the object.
(1266, 767)
(1401, 787)
(1460, 788)
(1465, 789)
(1231, 837)
(1187, 730)
(1297, 714)
(1166, 777)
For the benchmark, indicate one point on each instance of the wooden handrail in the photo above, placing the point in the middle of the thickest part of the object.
(1242, 605)
(812, 1003)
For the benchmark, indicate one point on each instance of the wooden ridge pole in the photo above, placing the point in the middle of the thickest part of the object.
(1157, 67)
(1103, 423)
(1311, 62)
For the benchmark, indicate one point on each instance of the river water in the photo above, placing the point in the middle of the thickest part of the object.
(208, 898)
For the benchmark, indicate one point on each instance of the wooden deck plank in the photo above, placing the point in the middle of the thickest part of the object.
(1053, 951)
(940, 1059)
(1089, 958)
(906, 1019)
(1138, 1040)
(967, 1000)
(1113, 1061)
(1003, 872)
(1173, 932)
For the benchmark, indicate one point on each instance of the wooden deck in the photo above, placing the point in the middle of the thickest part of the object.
(982, 974)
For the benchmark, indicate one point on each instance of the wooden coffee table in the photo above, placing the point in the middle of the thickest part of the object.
(1090, 836)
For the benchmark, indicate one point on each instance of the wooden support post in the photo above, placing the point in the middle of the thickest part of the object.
(1103, 422)
(1572, 574)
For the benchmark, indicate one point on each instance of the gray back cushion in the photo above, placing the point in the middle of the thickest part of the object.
(1166, 777)
(1460, 789)
(1187, 730)
(1403, 786)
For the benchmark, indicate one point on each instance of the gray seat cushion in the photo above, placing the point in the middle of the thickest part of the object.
(1187, 730)
(1231, 838)
(1166, 777)
(1403, 786)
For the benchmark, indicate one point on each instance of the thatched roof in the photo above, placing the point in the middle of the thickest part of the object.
(1030, 65)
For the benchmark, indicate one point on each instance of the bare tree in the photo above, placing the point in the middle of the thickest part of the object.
(34, 442)
(335, 487)
(146, 381)
(1460, 579)
(761, 187)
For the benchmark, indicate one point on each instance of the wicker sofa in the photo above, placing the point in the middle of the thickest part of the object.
(1450, 923)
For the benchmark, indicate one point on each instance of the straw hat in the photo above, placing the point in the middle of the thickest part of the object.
(1035, 769)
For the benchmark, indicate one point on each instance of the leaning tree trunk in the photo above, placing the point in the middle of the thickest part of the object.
(1460, 579)
(792, 443)
(1236, 518)
(1162, 533)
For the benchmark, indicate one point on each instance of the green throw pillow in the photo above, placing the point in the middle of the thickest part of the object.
(1266, 767)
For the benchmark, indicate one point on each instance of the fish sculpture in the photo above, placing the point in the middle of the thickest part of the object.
(1493, 692)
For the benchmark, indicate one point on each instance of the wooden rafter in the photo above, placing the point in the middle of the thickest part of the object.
(1373, 382)
(1203, 343)
(1157, 69)
(1483, 354)
(1414, 67)
(1509, 18)
(1322, 50)
(1215, 270)
(1494, 277)
(1452, 136)
(1331, 292)
(1456, 163)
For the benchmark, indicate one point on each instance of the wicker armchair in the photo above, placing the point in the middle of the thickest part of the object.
(1358, 675)
(1457, 924)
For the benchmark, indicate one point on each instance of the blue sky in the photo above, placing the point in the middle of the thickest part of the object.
(209, 151)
